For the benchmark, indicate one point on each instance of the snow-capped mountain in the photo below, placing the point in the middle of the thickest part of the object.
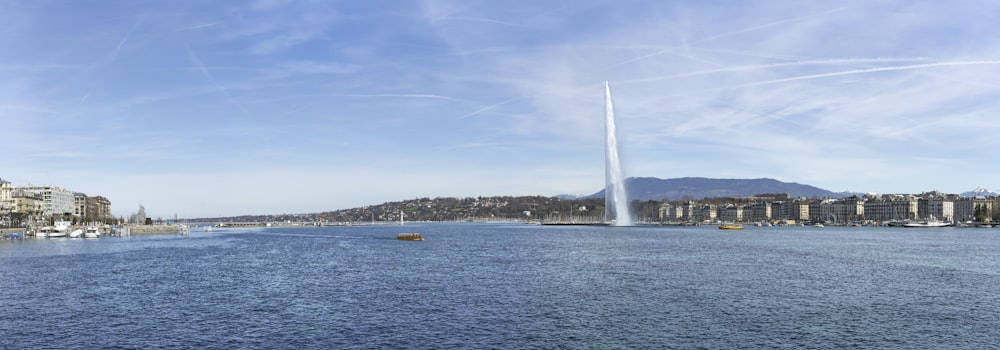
(979, 192)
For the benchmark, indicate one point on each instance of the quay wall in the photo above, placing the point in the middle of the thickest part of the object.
(152, 229)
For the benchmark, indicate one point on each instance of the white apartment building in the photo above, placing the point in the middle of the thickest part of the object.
(6, 196)
(56, 201)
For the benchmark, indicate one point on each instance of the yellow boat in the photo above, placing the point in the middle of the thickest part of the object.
(730, 227)
(409, 236)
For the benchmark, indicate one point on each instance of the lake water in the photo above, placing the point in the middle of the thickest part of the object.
(507, 286)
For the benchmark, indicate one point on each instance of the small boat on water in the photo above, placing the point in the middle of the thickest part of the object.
(730, 227)
(409, 236)
(76, 233)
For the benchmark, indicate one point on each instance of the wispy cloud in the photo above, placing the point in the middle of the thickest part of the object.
(118, 49)
(211, 79)
(315, 67)
(865, 71)
(416, 96)
(481, 97)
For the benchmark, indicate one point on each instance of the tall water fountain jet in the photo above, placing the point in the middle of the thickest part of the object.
(615, 197)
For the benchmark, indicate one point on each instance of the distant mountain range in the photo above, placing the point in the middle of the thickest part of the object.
(651, 188)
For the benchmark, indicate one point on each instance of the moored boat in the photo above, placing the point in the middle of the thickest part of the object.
(15, 235)
(59, 230)
(91, 232)
(42, 232)
(76, 233)
(730, 227)
(927, 223)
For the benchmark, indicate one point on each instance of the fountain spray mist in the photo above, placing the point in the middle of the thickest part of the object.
(615, 196)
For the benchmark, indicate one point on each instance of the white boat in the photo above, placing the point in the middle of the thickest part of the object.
(56, 232)
(77, 233)
(43, 232)
(59, 230)
(927, 223)
(91, 232)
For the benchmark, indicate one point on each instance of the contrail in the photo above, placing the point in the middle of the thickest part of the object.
(201, 67)
(424, 96)
(484, 109)
(862, 71)
(211, 79)
(772, 65)
(768, 25)
(198, 26)
(114, 55)
(735, 32)
(483, 20)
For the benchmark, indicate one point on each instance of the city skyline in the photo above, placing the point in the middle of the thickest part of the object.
(233, 108)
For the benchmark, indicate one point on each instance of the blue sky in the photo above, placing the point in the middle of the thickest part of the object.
(207, 108)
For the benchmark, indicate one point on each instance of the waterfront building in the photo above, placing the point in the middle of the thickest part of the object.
(703, 212)
(6, 197)
(98, 209)
(669, 212)
(688, 211)
(56, 201)
(891, 208)
(936, 206)
(79, 204)
(800, 210)
(965, 208)
(29, 205)
(848, 210)
(761, 211)
(746, 211)
(780, 210)
(709, 212)
(822, 210)
(730, 213)
(795, 210)
(838, 211)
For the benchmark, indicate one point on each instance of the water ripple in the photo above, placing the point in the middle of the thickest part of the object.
(495, 286)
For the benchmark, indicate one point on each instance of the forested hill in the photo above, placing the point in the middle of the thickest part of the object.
(651, 188)
(508, 208)
(645, 193)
